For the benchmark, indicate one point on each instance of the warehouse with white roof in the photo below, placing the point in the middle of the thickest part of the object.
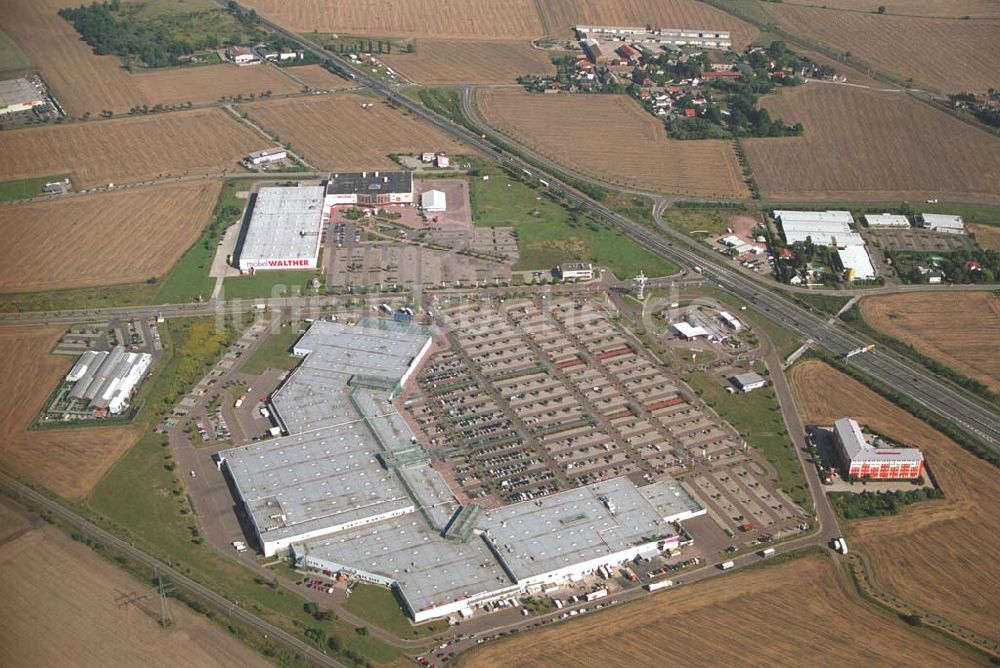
(886, 220)
(351, 490)
(283, 229)
(823, 228)
(107, 380)
(856, 262)
(937, 222)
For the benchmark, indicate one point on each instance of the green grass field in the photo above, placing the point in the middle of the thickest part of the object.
(275, 352)
(548, 233)
(266, 284)
(757, 416)
(380, 606)
(12, 60)
(24, 188)
(142, 500)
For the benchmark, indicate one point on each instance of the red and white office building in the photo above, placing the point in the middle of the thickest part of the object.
(862, 459)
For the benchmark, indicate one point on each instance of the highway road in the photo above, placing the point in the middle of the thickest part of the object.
(179, 580)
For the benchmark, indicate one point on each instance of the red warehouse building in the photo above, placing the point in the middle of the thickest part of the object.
(860, 458)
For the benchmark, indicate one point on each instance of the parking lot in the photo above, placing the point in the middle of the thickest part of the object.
(910, 239)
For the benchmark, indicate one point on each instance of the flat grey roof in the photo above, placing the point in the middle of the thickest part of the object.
(745, 379)
(369, 182)
(430, 570)
(285, 223)
(17, 91)
(308, 482)
(557, 531)
(433, 495)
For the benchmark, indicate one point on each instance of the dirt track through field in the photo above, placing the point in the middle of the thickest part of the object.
(453, 61)
(944, 8)
(951, 55)
(497, 19)
(865, 145)
(103, 239)
(60, 609)
(612, 138)
(561, 15)
(130, 149)
(938, 555)
(84, 82)
(68, 462)
(959, 329)
(334, 132)
(767, 617)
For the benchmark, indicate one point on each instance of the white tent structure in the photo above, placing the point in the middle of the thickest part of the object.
(433, 200)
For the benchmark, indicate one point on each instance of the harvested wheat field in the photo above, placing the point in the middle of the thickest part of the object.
(559, 16)
(61, 609)
(317, 76)
(948, 54)
(130, 149)
(451, 61)
(84, 82)
(938, 555)
(943, 8)
(807, 605)
(987, 236)
(333, 131)
(865, 145)
(612, 138)
(104, 239)
(504, 19)
(69, 462)
(929, 322)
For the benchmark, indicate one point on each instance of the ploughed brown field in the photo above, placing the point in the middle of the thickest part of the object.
(559, 16)
(84, 82)
(987, 236)
(959, 329)
(944, 8)
(69, 462)
(939, 555)
(130, 149)
(950, 55)
(764, 617)
(450, 61)
(103, 239)
(318, 76)
(503, 19)
(871, 145)
(61, 609)
(612, 138)
(334, 132)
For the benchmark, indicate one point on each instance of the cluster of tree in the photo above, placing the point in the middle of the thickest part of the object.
(851, 506)
(111, 29)
(967, 266)
(986, 113)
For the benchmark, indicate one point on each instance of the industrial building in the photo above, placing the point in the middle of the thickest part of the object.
(433, 201)
(370, 188)
(886, 220)
(283, 229)
(264, 157)
(862, 459)
(669, 37)
(107, 380)
(856, 262)
(19, 95)
(241, 55)
(823, 228)
(688, 331)
(731, 322)
(748, 382)
(351, 490)
(945, 224)
(576, 271)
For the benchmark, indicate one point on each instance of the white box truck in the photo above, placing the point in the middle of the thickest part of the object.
(767, 553)
(726, 565)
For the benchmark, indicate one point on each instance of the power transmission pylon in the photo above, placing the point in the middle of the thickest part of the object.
(166, 620)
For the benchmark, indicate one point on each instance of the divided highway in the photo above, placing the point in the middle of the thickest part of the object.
(979, 422)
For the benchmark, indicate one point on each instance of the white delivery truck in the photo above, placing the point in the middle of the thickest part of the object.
(726, 565)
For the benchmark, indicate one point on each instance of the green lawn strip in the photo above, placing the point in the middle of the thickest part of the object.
(828, 304)
(380, 606)
(265, 284)
(24, 188)
(549, 233)
(143, 501)
(275, 352)
(757, 416)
